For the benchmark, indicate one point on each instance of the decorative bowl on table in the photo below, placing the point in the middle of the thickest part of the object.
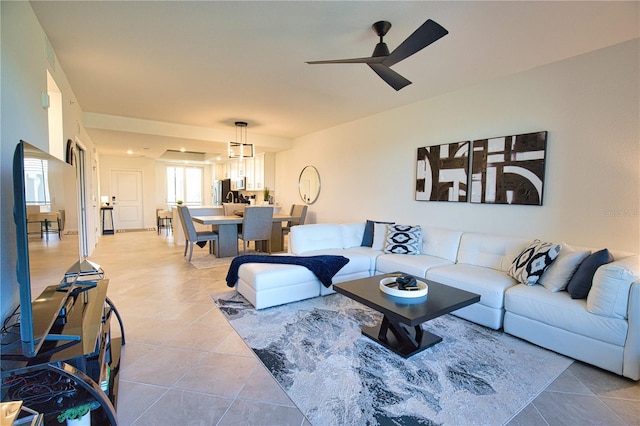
(390, 286)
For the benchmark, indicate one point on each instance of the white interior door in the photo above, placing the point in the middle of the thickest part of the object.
(126, 186)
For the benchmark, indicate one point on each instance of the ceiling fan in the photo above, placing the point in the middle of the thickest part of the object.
(381, 59)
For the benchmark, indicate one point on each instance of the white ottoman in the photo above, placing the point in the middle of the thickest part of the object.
(266, 284)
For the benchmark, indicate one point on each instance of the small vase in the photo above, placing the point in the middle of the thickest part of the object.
(82, 421)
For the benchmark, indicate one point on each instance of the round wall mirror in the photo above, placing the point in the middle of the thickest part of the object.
(309, 184)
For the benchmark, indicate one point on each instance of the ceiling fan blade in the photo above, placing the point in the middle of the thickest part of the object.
(367, 60)
(391, 77)
(426, 34)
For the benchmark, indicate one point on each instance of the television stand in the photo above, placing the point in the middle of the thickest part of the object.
(82, 372)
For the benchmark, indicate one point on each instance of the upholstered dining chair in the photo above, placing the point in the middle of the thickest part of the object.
(256, 226)
(192, 236)
(297, 210)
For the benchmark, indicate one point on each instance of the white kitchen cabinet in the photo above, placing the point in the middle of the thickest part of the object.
(249, 168)
(224, 171)
(264, 169)
(233, 170)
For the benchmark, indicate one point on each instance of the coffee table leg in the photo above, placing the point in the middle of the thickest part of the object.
(399, 337)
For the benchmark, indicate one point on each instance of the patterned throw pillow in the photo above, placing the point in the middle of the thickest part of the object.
(403, 239)
(533, 261)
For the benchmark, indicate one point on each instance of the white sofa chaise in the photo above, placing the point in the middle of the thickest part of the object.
(266, 285)
(603, 330)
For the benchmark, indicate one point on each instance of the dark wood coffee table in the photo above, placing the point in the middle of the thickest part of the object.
(400, 329)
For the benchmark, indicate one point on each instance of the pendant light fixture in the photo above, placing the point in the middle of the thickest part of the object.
(240, 148)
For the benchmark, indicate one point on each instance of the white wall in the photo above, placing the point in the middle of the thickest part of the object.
(23, 69)
(590, 107)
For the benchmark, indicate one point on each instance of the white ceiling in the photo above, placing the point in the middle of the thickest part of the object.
(158, 75)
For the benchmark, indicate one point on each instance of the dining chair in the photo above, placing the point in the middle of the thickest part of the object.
(256, 226)
(192, 236)
(297, 210)
(164, 220)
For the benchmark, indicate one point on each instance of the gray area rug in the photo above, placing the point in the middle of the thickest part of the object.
(336, 376)
(205, 260)
(201, 258)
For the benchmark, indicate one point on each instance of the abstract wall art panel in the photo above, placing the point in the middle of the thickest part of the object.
(442, 172)
(509, 170)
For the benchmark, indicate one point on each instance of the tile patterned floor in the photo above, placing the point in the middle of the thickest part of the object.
(184, 365)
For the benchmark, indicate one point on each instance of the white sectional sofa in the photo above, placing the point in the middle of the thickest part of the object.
(603, 330)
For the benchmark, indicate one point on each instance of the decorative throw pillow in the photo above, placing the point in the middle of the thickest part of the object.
(379, 236)
(581, 282)
(403, 239)
(367, 238)
(528, 267)
(562, 269)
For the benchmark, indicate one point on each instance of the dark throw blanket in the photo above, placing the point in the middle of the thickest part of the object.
(324, 267)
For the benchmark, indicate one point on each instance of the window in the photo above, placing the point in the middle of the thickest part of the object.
(36, 182)
(184, 183)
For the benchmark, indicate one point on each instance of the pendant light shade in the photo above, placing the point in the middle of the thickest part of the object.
(240, 148)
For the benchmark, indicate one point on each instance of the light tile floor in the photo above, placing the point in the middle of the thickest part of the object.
(184, 365)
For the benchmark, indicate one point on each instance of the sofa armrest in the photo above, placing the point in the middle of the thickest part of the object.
(631, 356)
(609, 294)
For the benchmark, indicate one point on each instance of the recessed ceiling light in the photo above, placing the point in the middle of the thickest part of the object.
(182, 150)
(129, 152)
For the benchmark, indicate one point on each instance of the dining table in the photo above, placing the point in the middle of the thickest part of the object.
(47, 221)
(228, 232)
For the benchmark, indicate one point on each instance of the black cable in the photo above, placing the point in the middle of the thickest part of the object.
(5, 326)
(39, 387)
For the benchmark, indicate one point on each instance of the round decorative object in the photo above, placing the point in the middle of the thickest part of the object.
(388, 285)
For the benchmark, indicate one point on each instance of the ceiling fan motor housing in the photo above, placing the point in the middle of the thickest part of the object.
(381, 49)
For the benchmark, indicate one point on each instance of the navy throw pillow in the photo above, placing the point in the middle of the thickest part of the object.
(580, 284)
(367, 238)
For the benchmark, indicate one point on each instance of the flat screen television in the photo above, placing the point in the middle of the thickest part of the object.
(48, 246)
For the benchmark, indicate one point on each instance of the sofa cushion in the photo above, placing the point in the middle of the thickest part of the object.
(351, 234)
(609, 294)
(367, 237)
(531, 263)
(304, 238)
(489, 283)
(490, 251)
(441, 242)
(268, 276)
(581, 282)
(403, 239)
(560, 311)
(417, 265)
(364, 251)
(562, 269)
